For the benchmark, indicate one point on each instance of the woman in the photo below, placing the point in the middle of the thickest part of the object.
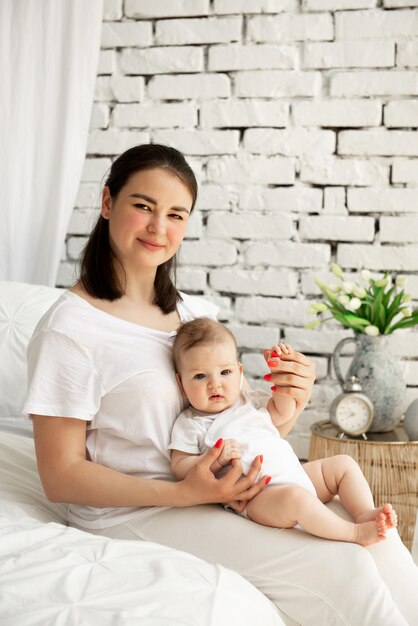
(103, 399)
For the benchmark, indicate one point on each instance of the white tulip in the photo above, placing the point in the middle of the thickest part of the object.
(354, 304)
(400, 282)
(372, 331)
(366, 275)
(336, 269)
(347, 286)
(344, 300)
(358, 291)
(406, 311)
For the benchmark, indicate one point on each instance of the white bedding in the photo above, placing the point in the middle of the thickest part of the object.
(52, 575)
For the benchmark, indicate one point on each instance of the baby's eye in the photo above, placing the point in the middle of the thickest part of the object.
(199, 376)
(225, 372)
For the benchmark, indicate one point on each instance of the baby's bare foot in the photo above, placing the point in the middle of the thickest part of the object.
(372, 531)
(387, 510)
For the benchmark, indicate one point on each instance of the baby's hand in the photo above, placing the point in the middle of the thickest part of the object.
(231, 450)
(281, 348)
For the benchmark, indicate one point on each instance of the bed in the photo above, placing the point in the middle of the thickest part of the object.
(54, 575)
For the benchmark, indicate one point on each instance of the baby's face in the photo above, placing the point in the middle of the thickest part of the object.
(210, 376)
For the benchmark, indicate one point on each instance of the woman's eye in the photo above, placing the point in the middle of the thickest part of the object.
(177, 216)
(142, 206)
(199, 376)
(225, 372)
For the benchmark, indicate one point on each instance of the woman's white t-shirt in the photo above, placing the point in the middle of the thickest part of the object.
(119, 377)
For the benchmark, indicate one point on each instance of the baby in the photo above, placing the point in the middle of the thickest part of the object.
(248, 422)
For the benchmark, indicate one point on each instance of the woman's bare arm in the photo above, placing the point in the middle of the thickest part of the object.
(68, 476)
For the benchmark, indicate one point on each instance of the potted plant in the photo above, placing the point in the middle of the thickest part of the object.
(373, 308)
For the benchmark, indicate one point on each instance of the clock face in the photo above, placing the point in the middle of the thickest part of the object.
(353, 414)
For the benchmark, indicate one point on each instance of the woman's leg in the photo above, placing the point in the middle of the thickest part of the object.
(312, 580)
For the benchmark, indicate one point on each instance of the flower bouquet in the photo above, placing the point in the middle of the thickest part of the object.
(375, 307)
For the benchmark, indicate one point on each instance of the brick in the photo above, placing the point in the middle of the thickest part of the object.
(400, 3)
(191, 279)
(241, 113)
(165, 60)
(334, 113)
(88, 195)
(254, 6)
(337, 5)
(82, 221)
(249, 226)
(319, 341)
(268, 282)
(100, 116)
(382, 200)
(67, 274)
(292, 200)
(140, 9)
(327, 170)
(277, 84)
(334, 201)
(288, 254)
(412, 287)
(251, 57)
(337, 228)
(200, 142)
(107, 62)
(194, 226)
(399, 229)
(401, 114)
(154, 115)
(102, 89)
(94, 170)
(276, 310)
(309, 286)
(215, 197)
(198, 30)
(254, 365)
(75, 246)
(407, 53)
(292, 142)
(349, 54)
(376, 24)
(112, 10)
(207, 252)
(383, 83)
(122, 34)
(411, 373)
(393, 258)
(255, 337)
(127, 88)
(245, 168)
(405, 171)
(114, 142)
(405, 343)
(291, 27)
(378, 142)
(184, 86)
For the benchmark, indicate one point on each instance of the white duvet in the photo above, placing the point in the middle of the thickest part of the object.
(52, 575)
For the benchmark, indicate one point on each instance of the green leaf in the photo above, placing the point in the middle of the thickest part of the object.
(406, 322)
(393, 309)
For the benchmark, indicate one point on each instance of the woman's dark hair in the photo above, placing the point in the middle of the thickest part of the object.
(97, 271)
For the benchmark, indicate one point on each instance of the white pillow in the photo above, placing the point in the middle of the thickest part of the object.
(21, 307)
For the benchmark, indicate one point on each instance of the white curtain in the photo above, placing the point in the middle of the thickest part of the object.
(49, 53)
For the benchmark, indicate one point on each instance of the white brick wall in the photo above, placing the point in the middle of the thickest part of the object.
(300, 121)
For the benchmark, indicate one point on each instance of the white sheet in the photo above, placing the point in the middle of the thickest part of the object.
(52, 575)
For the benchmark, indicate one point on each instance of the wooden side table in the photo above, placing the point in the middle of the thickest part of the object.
(388, 460)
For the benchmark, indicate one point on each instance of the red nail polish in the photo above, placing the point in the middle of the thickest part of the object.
(268, 479)
(271, 363)
(274, 388)
(261, 458)
(274, 354)
(219, 443)
(267, 376)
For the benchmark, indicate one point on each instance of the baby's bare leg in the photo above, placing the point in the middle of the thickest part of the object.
(341, 475)
(288, 505)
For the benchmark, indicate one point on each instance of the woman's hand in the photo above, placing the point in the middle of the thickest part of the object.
(200, 486)
(293, 375)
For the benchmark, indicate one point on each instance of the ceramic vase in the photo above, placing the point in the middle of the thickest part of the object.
(411, 421)
(381, 375)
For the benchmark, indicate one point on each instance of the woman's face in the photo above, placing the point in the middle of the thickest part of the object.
(148, 218)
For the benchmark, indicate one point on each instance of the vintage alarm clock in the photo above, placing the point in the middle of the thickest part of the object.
(352, 411)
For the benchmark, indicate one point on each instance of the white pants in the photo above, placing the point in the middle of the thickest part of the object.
(316, 582)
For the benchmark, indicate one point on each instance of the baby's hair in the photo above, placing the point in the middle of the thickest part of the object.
(198, 332)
